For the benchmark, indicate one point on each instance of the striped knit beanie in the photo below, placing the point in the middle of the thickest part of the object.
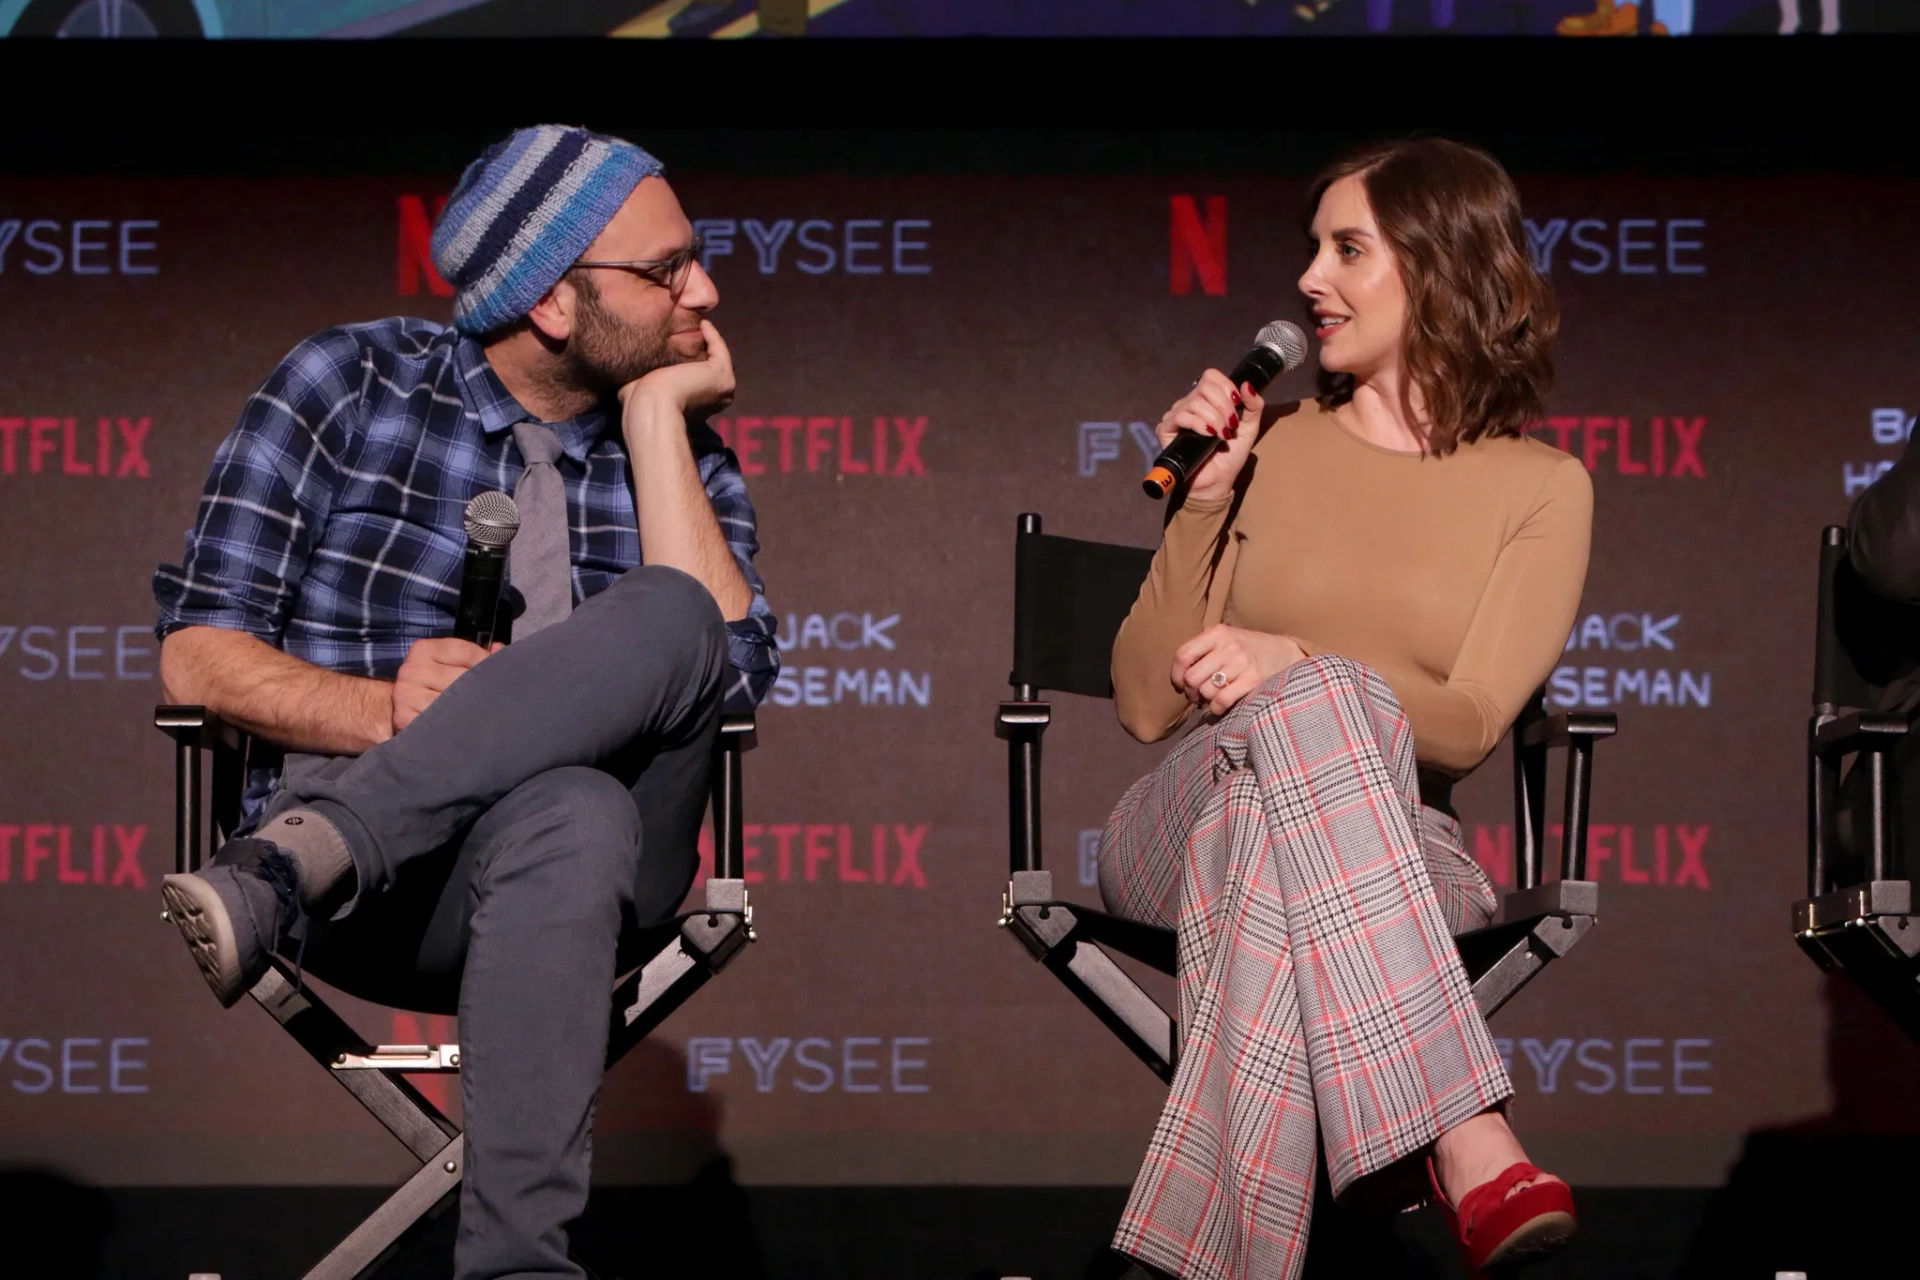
(524, 212)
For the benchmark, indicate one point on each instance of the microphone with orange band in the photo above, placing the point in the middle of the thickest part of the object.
(1277, 348)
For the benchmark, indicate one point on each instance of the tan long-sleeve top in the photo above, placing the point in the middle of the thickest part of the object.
(1456, 578)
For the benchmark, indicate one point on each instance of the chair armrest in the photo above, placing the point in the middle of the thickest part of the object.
(195, 729)
(737, 737)
(1859, 731)
(1022, 721)
(1555, 898)
(192, 726)
(1563, 728)
(1534, 741)
(738, 731)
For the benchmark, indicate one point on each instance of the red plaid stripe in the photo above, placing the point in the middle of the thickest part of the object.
(1320, 991)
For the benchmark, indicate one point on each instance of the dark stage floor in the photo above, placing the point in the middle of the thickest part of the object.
(1770, 1218)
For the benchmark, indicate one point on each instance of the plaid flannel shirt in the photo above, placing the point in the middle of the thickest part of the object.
(331, 523)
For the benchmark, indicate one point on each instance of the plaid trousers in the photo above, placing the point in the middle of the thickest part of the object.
(1314, 900)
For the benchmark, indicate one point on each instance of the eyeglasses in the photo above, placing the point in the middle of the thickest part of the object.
(670, 273)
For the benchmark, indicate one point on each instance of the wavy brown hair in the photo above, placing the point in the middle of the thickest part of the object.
(1480, 318)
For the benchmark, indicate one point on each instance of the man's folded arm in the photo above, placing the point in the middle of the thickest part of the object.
(225, 606)
(750, 639)
(249, 683)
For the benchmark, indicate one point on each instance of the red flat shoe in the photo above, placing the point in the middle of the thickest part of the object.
(1497, 1230)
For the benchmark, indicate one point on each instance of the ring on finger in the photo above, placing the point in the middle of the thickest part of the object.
(1218, 680)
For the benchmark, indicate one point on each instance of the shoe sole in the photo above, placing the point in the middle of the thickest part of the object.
(196, 910)
(1532, 1240)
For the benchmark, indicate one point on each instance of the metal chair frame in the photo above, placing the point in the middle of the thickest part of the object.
(685, 952)
(1537, 923)
(1869, 930)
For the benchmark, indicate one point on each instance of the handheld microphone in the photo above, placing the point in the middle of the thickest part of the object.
(1277, 348)
(491, 519)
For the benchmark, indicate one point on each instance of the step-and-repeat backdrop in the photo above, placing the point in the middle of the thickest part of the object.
(921, 359)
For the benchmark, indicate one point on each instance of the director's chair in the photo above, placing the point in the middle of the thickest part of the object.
(1070, 598)
(1858, 917)
(684, 952)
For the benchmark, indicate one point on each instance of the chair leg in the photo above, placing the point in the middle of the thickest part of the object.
(1549, 939)
(396, 1104)
(438, 1178)
(705, 943)
(1047, 930)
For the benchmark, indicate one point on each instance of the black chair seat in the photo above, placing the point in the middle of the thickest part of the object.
(1146, 943)
(1525, 921)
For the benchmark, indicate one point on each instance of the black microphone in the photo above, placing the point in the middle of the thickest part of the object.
(1277, 348)
(492, 519)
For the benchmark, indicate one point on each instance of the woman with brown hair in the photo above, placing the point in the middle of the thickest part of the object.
(1360, 592)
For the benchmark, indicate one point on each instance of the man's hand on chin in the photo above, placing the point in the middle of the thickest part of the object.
(692, 388)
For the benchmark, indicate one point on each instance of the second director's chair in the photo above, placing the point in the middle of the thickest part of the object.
(683, 953)
(1070, 598)
(1859, 915)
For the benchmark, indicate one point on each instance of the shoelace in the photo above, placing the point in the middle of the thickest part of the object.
(278, 870)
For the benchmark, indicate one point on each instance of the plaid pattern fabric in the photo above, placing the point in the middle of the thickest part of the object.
(1320, 993)
(330, 526)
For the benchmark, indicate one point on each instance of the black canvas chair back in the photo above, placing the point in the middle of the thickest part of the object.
(1858, 917)
(680, 955)
(1867, 648)
(1070, 598)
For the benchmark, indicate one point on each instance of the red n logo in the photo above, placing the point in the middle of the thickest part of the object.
(416, 248)
(1197, 245)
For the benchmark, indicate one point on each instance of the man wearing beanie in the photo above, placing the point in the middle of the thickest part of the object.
(437, 826)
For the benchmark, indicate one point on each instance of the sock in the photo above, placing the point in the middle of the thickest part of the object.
(318, 849)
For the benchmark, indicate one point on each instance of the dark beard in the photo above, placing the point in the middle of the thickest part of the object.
(606, 354)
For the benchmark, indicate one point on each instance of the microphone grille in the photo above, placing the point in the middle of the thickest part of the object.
(1286, 338)
(492, 519)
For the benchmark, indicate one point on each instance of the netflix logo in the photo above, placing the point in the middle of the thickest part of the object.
(413, 263)
(103, 446)
(1656, 447)
(430, 1028)
(825, 444)
(59, 854)
(1197, 245)
(884, 854)
(1665, 855)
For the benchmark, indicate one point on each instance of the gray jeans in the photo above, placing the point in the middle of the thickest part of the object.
(505, 843)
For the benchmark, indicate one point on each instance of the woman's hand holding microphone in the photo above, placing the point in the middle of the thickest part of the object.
(1215, 407)
(1223, 664)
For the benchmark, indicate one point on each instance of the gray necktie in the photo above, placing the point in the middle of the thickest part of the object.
(540, 563)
